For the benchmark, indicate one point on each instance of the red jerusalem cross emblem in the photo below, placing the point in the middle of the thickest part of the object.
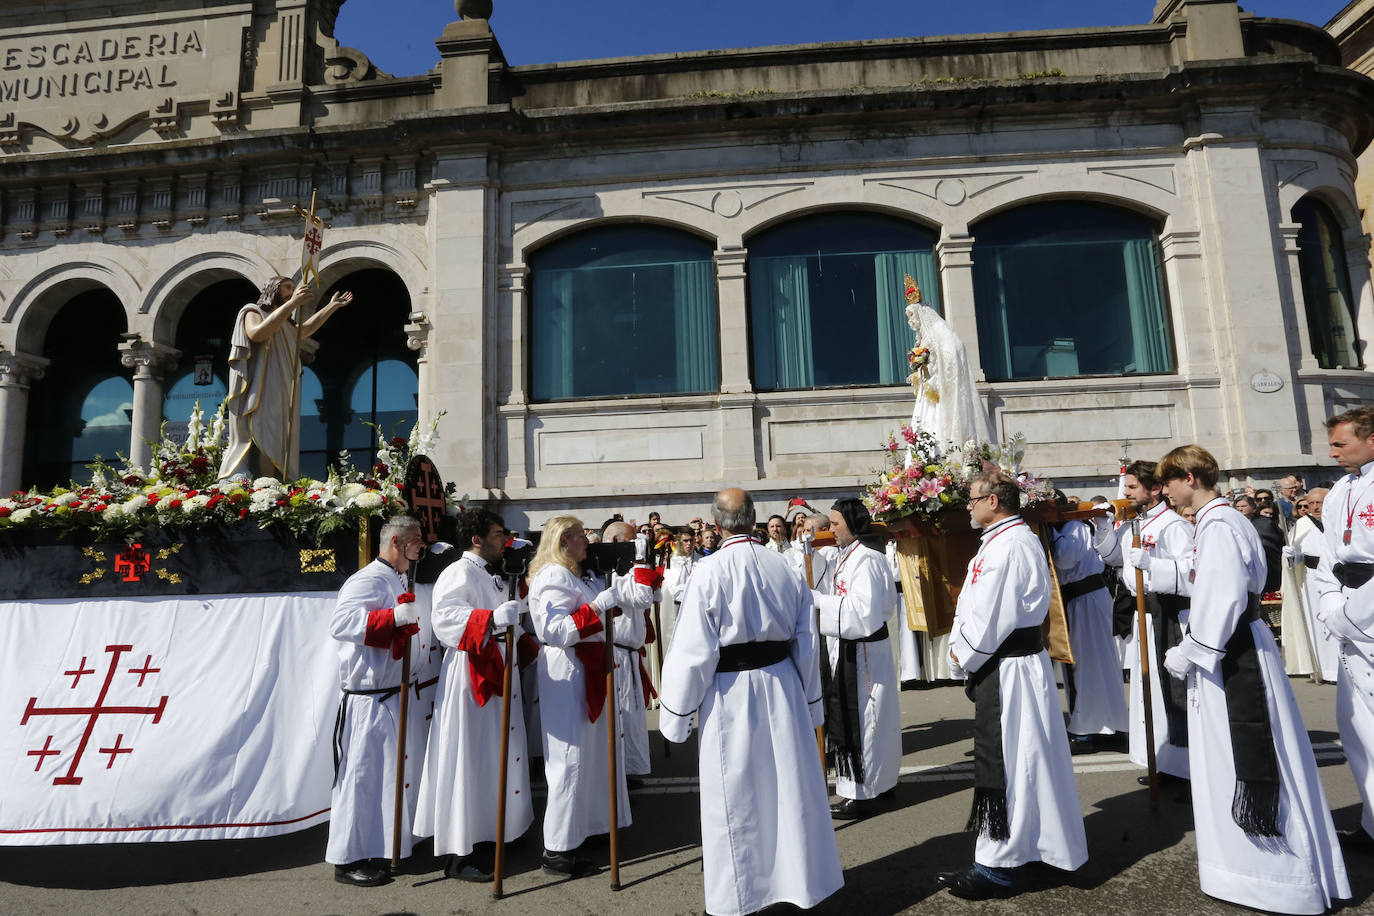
(1367, 516)
(93, 713)
(314, 240)
(977, 571)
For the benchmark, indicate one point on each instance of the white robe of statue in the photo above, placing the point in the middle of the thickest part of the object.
(947, 403)
(259, 403)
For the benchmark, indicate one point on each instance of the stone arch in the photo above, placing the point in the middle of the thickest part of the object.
(337, 261)
(33, 307)
(547, 235)
(919, 219)
(1149, 206)
(168, 297)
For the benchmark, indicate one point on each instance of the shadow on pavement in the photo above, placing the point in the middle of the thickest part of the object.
(896, 882)
(927, 735)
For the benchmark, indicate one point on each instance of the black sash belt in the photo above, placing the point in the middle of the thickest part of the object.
(844, 729)
(1164, 612)
(876, 636)
(381, 693)
(989, 815)
(1085, 586)
(747, 656)
(1353, 575)
(1311, 562)
(1255, 805)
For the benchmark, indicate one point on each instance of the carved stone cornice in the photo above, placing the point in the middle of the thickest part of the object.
(417, 333)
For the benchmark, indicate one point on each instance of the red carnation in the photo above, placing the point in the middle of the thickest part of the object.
(214, 501)
(190, 493)
(372, 484)
(380, 469)
(133, 480)
(200, 463)
(5, 511)
(243, 513)
(174, 504)
(398, 442)
(281, 502)
(152, 499)
(99, 507)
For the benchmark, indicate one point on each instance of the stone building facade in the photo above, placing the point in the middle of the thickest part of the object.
(573, 261)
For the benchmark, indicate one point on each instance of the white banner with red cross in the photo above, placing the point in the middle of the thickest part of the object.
(168, 719)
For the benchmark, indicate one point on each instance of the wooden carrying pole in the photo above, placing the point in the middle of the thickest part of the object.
(399, 812)
(611, 749)
(660, 558)
(807, 545)
(1143, 641)
(505, 750)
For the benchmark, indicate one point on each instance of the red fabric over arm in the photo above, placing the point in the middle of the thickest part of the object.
(479, 622)
(646, 575)
(587, 621)
(381, 624)
(650, 634)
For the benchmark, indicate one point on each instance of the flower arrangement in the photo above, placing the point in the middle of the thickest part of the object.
(920, 481)
(182, 490)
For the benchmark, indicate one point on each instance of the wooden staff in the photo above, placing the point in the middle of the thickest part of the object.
(807, 544)
(296, 376)
(399, 811)
(505, 749)
(660, 555)
(1142, 638)
(611, 746)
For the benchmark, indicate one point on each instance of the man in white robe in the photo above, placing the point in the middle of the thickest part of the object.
(458, 790)
(264, 371)
(1165, 557)
(1264, 834)
(744, 659)
(1025, 801)
(1344, 581)
(1097, 698)
(1301, 594)
(372, 622)
(863, 719)
(632, 687)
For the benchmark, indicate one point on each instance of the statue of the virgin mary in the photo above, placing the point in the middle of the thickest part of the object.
(947, 404)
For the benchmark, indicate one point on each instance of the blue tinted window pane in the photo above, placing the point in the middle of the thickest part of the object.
(624, 310)
(105, 426)
(180, 399)
(1326, 286)
(1070, 289)
(827, 303)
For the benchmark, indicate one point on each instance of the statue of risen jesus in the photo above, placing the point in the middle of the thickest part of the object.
(263, 404)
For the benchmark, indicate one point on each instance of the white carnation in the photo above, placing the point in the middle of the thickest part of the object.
(20, 515)
(112, 512)
(134, 503)
(351, 491)
(368, 500)
(195, 504)
(266, 483)
(263, 500)
(165, 503)
(66, 499)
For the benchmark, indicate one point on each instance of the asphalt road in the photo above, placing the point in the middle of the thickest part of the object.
(1142, 860)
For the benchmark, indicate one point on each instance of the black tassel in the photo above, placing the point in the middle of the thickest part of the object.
(1255, 808)
(989, 815)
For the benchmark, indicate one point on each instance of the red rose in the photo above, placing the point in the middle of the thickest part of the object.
(243, 513)
(5, 511)
(200, 463)
(372, 484)
(190, 493)
(152, 499)
(214, 501)
(133, 480)
(281, 502)
(174, 504)
(99, 507)
(315, 496)
(398, 442)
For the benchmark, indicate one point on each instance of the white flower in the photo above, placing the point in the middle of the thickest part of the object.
(135, 503)
(165, 503)
(368, 500)
(66, 499)
(266, 483)
(112, 512)
(7, 504)
(264, 500)
(350, 491)
(21, 515)
(196, 503)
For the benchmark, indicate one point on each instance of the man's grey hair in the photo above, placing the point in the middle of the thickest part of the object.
(398, 526)
(737, 520)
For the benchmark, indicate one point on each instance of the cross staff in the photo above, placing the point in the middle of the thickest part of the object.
(311, 244)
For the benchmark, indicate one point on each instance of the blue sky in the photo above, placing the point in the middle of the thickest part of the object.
(399, 34)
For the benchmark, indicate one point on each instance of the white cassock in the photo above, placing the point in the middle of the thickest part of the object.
(1350, 506)
(576, 761)
(1007, 589)
(1098, 698)
(908, 649)
(1169, 538)
(1302, 871)
(458, 791)
(631, 630)
(766, 833)
(363, 798)
(1308, 546)
(859, 609)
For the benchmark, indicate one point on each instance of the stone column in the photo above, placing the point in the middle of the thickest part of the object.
(417, 339)
(1357, 264)
(149, 360)
(738, 426)
(17, 372)
(954, 253)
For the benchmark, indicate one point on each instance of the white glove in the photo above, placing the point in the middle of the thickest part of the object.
(605, 601)
(956, 670)
(405, 614)
(507, 614)
(1177, 664)
(1138, 557)
(1103, 525)
(632, 595)
(1289, 555)
(658, 596)
(816, 597)
(1331, 614)
(641, 548)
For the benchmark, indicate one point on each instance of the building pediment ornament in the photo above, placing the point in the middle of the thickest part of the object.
(950, 190)
(728, 202)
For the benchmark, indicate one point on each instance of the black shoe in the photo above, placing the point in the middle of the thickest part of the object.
(567, 865)
(361, 874)
(475, 868)
(1164, 779)
(972, 884)
(1355, 839)
(633, 782)
(852, 809)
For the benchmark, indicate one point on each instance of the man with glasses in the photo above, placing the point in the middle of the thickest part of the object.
(373, 621)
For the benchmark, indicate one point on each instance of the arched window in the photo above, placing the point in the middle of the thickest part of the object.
(1326, 286)
(827, 304)
(203, 335)
(623, 310)
(1072, 288)
(83, 405)
(363, 370)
